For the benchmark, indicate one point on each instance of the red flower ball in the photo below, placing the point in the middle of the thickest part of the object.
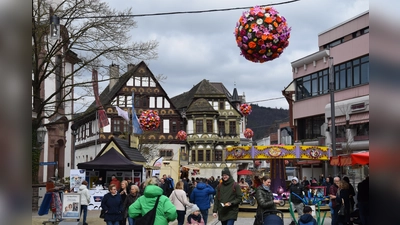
(149, 120)
(262, 34)
(245, 109)
(248, 133)
(181, 135)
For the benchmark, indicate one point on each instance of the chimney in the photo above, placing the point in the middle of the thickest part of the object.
(131, 66)
(114, 75)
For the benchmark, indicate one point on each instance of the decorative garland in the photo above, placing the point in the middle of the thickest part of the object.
(262, 34)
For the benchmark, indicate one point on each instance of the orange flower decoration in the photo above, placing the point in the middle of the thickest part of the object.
(262, 34)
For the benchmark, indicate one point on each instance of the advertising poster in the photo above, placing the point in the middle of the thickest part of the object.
(76, 178)
(71, 206)
(157, 163)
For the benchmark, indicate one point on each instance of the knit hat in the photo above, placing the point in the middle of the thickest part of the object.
(295, 178)
(226, 171)
(194, 208)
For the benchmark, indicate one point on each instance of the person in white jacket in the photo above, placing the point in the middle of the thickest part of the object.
(179, 199)
(85, 199)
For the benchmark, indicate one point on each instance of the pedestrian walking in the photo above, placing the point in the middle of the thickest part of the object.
(166, 211)
(179, 199)
(227, 199)
(200, 197)
(265, 200)
(112, 204)
(85, 200)
(130, 199)
(296, 195)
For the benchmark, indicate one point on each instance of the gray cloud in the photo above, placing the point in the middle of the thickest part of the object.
(193, 47)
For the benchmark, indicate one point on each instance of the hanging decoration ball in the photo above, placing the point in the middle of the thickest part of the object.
(149, 120)
(245, 109)
(181, 135)
(248, 133)
(262, 34)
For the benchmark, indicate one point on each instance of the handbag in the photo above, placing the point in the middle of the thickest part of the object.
(102, 213)
(150, 216)
(180, 201)
(342, 209)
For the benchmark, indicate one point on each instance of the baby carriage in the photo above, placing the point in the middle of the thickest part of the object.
(273, 217)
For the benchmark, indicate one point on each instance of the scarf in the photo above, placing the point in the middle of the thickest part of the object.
(194, 217)
(266, 187)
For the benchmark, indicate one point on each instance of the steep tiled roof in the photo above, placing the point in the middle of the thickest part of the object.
(132, 153)
(201, 105)
(201, 90)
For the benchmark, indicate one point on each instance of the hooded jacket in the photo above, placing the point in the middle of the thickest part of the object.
(227, 191)
(116, 182)
(307, 219)
(166, 211)
(201, 195)
(85, 195)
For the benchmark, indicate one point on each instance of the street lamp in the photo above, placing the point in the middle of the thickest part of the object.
(40, 134)
(54, 27)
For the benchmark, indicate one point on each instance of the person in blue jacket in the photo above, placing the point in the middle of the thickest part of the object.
(307, 218)
(112, 204)
(200, 197)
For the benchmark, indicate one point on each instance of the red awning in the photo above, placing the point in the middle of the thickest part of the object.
(359, 118)
(339, 121)
(360, 158)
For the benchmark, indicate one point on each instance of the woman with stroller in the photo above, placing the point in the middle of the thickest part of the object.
(265, 200)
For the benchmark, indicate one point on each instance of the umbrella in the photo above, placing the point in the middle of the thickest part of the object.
(245, 172)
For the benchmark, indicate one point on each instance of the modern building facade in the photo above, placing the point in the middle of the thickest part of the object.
(344, 54)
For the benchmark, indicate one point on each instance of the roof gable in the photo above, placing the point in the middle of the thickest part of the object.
(201, 105)
(122, 145)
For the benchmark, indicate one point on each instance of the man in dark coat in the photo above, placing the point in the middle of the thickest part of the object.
(265, 198)
(227, 199)
(332, 195)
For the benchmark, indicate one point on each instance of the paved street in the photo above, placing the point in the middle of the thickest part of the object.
(245, 218)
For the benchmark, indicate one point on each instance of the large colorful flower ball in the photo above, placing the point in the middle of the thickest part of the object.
(149, 120)
(262, 34)
(248, 133)
(245, 109)
(181, 135)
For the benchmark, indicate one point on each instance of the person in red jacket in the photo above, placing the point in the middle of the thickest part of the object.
(115, 181)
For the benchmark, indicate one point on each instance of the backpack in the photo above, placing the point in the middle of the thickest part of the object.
(219, 187)
(150, 216)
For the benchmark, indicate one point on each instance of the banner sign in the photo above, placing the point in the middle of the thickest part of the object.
(76, 178)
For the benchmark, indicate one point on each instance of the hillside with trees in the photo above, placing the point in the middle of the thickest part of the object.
(264, 121)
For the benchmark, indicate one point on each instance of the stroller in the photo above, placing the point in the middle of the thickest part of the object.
(273, 217)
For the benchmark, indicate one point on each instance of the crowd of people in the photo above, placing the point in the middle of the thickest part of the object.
(193, 198)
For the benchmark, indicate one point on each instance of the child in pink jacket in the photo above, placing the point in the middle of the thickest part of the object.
(195, 217)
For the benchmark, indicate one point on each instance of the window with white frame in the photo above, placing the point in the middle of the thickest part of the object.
(159, 102)
(130, 82)
(145, 81)
(166, 126)
(166, 103)
(152, 83)
(215, 105)
(137, 81)
(152, 102)
(227, 106)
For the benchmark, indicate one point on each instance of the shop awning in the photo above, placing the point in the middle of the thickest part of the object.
(360, 158)
(359, 118)
(339, 121)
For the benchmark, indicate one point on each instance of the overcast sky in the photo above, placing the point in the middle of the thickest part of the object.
(193, 47)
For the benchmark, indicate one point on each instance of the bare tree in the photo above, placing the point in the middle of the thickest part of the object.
(90, 33)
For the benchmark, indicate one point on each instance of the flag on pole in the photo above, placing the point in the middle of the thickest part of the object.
(103, 120)
(122, 113)
(135, 121)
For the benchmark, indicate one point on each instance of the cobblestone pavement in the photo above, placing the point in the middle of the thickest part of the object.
(245, 218)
